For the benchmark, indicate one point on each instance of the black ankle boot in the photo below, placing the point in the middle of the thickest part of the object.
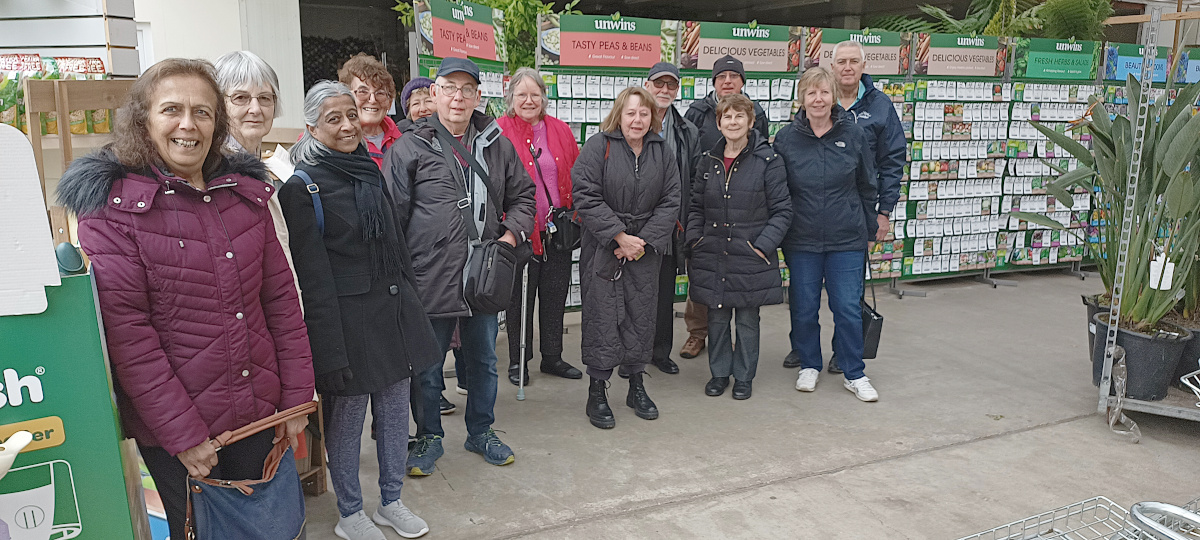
(598, 411)
(638, 400)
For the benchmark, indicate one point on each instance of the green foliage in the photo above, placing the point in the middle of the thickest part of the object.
(1054, 19)
(1079, 19)
(520, 25)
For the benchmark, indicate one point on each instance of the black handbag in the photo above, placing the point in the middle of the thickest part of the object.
(563, 230)
(872, 323)
(492, 265)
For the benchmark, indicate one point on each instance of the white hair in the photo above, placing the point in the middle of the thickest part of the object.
(522, 74)
(244, 68)
(862, 53)
(309, 149)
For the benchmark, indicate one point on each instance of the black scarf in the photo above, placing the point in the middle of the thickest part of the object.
(375, 218)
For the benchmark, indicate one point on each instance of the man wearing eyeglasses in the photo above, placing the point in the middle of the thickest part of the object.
(428, 179)
(683, 140)
(373, 89)
(728, 78)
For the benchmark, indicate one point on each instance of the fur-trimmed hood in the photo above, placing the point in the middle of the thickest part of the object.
(86, 185)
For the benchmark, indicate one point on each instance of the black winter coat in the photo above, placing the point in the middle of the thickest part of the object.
(426, 192)
(374, 324)
(687, 155)
(703, 113)
(733, 213)
(832, 182)
(616, 192)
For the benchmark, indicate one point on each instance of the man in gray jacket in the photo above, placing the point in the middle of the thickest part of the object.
(429, 179)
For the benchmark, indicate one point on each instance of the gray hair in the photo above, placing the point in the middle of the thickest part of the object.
(522, 74)
(309, 149)
(244, 68)
(862, 53)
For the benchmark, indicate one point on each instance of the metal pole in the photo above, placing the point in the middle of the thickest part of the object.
(524, 330)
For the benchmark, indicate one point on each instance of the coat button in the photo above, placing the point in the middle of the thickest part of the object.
(246, 372)
(116, 200)
(141, 204)
(207, 198)
(228, 254)
(259, 199)
(394, 289)
(719, 306)
(268, 189)
(239, 315)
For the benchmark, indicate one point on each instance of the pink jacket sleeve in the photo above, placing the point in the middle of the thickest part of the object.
(285, 322)
(135, 352)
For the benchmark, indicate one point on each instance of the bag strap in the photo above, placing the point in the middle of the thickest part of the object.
(536, 153)
(472, 163)
(868, 281)
(464, 200)
(230, 437)
(314, 190)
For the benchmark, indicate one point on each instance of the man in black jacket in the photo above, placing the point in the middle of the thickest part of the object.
(728, 78)
(684, 140)
(436, 191)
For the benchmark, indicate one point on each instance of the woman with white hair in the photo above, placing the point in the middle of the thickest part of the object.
(251, 90)
(366, 324)
(548, 150)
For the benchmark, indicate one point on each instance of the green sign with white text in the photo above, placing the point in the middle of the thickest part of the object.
(1036, 58)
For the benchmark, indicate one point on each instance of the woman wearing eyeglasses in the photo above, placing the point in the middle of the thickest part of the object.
(547, 148)
(373, 89)
(626, 190)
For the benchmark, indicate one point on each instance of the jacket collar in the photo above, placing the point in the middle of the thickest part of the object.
(485, 127)
(757, 145)
(868, 95)
(618, 135)
(840, 117)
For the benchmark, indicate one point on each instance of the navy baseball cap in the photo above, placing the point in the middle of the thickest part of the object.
(664, 68)
(458, 65)
(728, 63)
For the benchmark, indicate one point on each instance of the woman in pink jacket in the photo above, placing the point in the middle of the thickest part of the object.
(201, 316)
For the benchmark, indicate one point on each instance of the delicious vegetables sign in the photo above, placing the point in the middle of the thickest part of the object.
(584, 40)
(461, 30)
(960, 55)
(1036, 58)
(887, 52)
(760, 47)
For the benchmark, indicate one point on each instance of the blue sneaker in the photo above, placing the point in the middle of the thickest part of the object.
(488, 445)
(425, 451)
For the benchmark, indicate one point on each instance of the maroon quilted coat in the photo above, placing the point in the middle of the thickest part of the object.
(203, 323)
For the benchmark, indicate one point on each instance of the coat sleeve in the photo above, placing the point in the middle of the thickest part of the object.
(138, 361)
(285, 322)
(779, 202)
(322, 313)
(399, 170)
(586, 181)
(865, 179)
(760, 122)
(658, 230)
(519, 202)
(889, 159)
(695, 224)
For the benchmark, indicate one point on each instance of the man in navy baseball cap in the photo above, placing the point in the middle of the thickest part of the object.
(458, 65)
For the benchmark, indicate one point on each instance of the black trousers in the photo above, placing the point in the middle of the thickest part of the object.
(549, 283)
(242, 460)
(664, 328)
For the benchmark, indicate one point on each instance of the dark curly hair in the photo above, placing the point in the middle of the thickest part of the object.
(131, 138)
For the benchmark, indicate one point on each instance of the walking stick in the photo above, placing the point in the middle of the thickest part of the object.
(524, 329)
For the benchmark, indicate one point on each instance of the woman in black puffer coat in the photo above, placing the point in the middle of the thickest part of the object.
(740, 211)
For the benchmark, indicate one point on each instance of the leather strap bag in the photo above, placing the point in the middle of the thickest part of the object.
(269, 508)
(563, 230)
(872, 322)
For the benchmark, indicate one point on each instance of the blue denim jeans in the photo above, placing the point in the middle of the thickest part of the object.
(478, 335)
(841, 273)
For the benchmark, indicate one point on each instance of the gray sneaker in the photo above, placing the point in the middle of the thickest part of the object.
(400, 518)
(357, 526)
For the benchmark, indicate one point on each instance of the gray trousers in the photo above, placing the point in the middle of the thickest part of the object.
(344, 416)
(724, 359)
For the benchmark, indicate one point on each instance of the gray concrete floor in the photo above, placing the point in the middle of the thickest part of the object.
(986, 415)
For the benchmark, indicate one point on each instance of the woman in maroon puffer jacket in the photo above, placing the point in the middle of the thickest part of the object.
(201, 316)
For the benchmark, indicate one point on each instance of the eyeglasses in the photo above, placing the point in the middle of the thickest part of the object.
(241, 100)
(468, 91)
(365, 94)
(667, 83)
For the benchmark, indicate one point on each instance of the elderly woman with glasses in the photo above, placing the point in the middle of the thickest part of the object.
(547, 149)
(373, 88)
(251, 91)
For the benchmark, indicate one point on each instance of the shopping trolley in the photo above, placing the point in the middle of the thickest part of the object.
(1101, 519)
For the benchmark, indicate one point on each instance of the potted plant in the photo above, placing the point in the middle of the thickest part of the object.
(1165, 233)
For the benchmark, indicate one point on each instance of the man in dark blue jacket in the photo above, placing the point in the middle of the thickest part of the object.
(874, 112)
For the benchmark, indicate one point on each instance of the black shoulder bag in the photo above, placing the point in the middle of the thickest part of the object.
(492, 265)
(563, 227)
(872, 321)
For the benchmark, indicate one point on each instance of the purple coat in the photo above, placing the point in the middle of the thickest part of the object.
(202, 319)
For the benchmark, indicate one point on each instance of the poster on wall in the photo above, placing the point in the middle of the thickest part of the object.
(614, 40)
(1124, 59)
(460, 30)
(1037, 58)
(888, 53)
(760, 47)
(1190, 65)
(958, 55)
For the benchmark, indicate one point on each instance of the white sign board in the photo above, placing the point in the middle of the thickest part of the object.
(27, 262)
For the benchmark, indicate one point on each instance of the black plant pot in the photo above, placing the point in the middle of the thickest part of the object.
(1189, 361)
(1093, 307)
(1150, 360)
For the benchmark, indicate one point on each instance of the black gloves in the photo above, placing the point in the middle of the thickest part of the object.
(333, 381)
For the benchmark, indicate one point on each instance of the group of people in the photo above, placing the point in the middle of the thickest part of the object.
(228, 295)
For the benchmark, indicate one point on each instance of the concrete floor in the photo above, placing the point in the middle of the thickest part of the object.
(986, 415)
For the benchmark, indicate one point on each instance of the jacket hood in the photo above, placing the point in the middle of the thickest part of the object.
(85, 186)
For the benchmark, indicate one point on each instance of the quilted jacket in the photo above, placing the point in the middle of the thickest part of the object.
(200, 311)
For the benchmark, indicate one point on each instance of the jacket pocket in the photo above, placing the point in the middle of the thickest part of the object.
(352, 285)
(762, 257)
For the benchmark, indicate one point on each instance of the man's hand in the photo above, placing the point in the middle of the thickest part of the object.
(200, 459)
(291, 430)
(884, 227)
(509, 238)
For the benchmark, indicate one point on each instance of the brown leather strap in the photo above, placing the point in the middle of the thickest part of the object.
(230, 437)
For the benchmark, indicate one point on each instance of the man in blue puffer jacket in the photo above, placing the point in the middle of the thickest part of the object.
(873, 111)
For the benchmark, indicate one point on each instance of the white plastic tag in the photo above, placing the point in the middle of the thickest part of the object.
(1160, 274)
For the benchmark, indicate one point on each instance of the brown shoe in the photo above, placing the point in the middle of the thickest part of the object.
(692, 347)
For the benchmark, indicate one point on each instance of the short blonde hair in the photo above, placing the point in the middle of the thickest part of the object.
(612, 122)
(813, 77)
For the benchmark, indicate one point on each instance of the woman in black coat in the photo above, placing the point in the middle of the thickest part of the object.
(626, 190)
(740, 211)
(368, 329)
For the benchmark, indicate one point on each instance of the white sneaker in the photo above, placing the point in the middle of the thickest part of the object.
(807, 381)
(400, 518)
(357, 526)
(862, 389)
